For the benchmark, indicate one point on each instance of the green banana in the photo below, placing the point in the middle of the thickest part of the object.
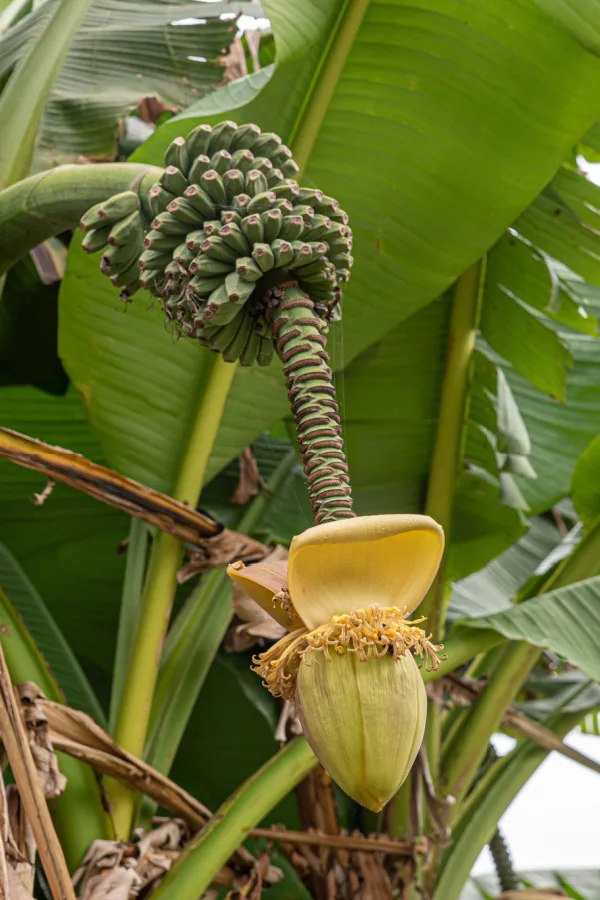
(261, 202)
(274, 177)
(128, 291)
(234, 237)
(230, 217)
(262, 164)
(244, 137)
(204, 265)
(289, 190)
(197, 141)
(283, 253)
(263, 257)
(266, 351)
(256, 183)
(247, 269)
(272, 221)
(173, 180)
(177, 155)
(234, 182)
(280, 156)
(200, 201)
(232, 351)
(266, 144)
(96, 239)
(212, 227)
(289, 168)
(241, 201)
(212, 184)
(183, 255)
(222, 338)
(159, 199)
(221, 136)
(238, 290)
(311, 268)
(150, 279)
(194, 239)
(120, 256)
(221, 161)
(250, 351)
(216, 248)
(127, 276)
(205, 286)
(111, 211)
(128, 231)
(182, 209)
(342, 260)
(304, 210)
(292, 227)
(242, 160)
(154, 259)
(285, 207)
(253, 229)
(199, 166)
(219, 308)
(168, 224)
(343, 274)
(310, 196)
(158, 240)
(319, 227)
(327, 206)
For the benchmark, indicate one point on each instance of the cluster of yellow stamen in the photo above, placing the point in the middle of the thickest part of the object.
(375, 631)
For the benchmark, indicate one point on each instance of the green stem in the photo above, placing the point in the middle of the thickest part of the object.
(309, 381)
(134, 713)
(212, 847)
(318, 96)
(131, 598)
(49, 203)
(23, 99)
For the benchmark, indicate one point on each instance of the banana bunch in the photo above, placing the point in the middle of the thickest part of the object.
(117, 228)
(230, 226)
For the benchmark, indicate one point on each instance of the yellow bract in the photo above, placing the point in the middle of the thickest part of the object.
(357, 563)
(262, 581)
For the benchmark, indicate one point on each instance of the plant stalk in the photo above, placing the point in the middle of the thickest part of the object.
(205, 854)
(134, 713)
(51, 202)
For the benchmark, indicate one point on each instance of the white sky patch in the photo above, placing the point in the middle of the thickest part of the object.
(553, 821)
(592, 170)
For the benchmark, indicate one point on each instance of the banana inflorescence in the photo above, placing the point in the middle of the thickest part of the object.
(219, 236)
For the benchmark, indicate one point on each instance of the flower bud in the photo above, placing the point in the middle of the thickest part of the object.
(364, 720)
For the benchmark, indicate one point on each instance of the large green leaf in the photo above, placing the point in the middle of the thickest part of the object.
(566, 620)
(586, 484)
(125, 50)
(433, 136)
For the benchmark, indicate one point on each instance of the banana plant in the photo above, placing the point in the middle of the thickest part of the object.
(250, 262)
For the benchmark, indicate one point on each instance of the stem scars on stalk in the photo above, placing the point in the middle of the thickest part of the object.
(249, 264)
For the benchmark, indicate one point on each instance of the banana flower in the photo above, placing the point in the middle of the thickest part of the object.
(348, 660)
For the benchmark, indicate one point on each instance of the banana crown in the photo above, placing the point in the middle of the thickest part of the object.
(220, 235)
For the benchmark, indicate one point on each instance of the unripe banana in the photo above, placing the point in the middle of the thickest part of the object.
(283, 253)
(183, 255)
(238, 290)
(204, 265)
(221, 161)
(312, 196)
(342, 260)
(96, 239)
(244, 137)
(212, 227)
(197, 141)
(128, 291)
(182, 209)
(256, 183)
(203, 286)
(177, 155)
(250, 351)
(223, 337)
(266, 144)
(289, 190)
(154, 259)
(120, 256)
(168, 224)
(343, 275)
(234, 237)
(230, 217)
(221, 136)
(111, 211)
(194, 239)
(241, 202)
(261, 202)
(247, 269)
(235, 348)
(312, 268)
(242, 160)
(150, 279)
(219, 308)
(280, 156)
(212, 184)
(234, 183)
(263, 256)
(253, 229)
(173, 180)
(128, 276)
(127, 231)
(262, 164)
(199, 166)
(200, 201)
(304, 210)
(159, 199)
(319, 227)
(289, 168)
(274, 177)
(285, 207)
(327, 206)
(292, 228)
(266, 351)
(158, 240)
(216, 248)
(272, 221)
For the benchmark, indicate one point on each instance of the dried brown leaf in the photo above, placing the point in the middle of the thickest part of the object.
(218, 551)
(249, 481)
